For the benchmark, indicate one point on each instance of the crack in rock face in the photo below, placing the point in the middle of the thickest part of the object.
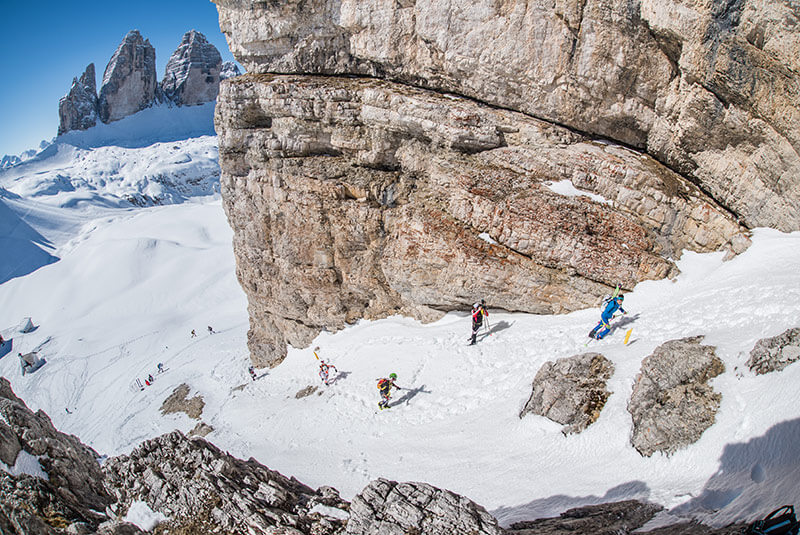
(359, 180)
(358, 198)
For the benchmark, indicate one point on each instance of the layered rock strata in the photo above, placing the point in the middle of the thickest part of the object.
(775, 353)
(354, 197)
(571, 391)
(129, 81)
(192, 73)
(78, 109)
(395, 157)
(711, 89)
(672, 402)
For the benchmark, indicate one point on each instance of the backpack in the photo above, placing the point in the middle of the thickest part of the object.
(779, 522)
(382, 383)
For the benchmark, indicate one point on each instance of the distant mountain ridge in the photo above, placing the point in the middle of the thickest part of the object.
(191, 77)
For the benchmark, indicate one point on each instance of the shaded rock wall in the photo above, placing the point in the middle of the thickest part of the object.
(70, 489)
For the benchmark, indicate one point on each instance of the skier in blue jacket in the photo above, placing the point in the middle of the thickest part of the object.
(604, 327)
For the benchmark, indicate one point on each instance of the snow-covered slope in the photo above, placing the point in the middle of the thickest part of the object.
(132, 283)
(161, 155)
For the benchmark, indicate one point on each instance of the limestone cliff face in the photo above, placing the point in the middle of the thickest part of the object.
(422, 170)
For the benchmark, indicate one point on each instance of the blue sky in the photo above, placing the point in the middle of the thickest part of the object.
(44, 45)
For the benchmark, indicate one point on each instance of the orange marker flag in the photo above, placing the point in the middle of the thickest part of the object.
(628, 335)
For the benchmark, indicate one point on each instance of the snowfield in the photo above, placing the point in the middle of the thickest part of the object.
(121, 288)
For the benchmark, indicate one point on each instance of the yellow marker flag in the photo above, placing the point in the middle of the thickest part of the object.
(315, 354)
(628, 335)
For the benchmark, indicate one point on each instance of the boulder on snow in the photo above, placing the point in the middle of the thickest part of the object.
(129, 82)
(774, 354)
(179, 402)
(78, 109)
(571, 391)
(393, 508)
(672, 402)
(192, 74)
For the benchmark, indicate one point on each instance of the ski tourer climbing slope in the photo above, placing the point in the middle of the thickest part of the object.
(604, 327)
(385, 387)
(478, 313)
(324, 371)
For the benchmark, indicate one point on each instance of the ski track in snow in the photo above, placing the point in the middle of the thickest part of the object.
(130, 285)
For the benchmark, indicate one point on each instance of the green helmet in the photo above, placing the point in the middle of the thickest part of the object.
(392, 376)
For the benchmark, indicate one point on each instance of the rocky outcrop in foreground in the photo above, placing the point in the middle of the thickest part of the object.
(672, 402)
(392, 508)
(190, 480)
(571, 391)
(410, 157)
(73, 492)
(774, 354)
(200, 489)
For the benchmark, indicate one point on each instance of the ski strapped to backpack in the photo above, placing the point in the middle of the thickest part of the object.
(781, 521)
(607, 299)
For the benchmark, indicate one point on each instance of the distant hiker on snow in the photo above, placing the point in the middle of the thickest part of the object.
(604, 327)
(194, 334)
(252, 371)
(210, 330)
(324, 370)
(478, 313)
(385, 386)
